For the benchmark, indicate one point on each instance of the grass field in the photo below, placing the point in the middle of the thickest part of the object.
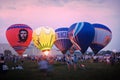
(94, 71)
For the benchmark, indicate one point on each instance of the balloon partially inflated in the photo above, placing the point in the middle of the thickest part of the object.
(43, 38)
(103, 36)
(81, 35)
(19, 37)
(62, 40)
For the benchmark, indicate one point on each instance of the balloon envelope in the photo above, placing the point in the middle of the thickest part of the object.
(81, 35)
(19, 37)
(103, 36)
(62, 42)
(43, 38)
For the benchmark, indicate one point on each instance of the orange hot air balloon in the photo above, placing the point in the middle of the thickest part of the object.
(19, 37)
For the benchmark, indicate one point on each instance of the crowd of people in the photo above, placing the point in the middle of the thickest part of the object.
(3, 66)
(46, 63)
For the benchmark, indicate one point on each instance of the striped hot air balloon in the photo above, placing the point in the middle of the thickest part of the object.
(103, 36)
(81, 35)
(62, 42)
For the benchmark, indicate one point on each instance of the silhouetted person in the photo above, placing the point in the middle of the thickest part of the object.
(43, 65)
(112, 59)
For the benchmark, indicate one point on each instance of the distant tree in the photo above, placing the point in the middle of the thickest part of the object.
(7, 53)
(102, 52)
(108, 52)
(105, 52)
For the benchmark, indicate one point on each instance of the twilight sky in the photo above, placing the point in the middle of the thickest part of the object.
(61, 13)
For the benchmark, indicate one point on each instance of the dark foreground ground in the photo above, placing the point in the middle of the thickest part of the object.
(93, 71)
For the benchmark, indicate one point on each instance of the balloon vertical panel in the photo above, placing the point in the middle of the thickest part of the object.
(102, 36)
(19, 37)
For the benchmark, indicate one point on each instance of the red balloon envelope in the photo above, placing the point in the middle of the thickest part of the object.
(19, 37)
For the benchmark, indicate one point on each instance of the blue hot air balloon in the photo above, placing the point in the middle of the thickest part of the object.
(103, 36)
(81, 35)
(62, 42)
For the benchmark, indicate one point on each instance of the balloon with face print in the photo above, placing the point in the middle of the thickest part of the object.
(103, 36)
(19, 37)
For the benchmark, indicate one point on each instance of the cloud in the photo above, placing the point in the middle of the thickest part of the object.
(60, 3)
(13, 4)
(16, 4)
(95, 1)
(51, 2)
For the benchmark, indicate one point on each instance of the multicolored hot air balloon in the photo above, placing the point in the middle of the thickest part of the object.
(43, 38)
(81, 35)
(103, 36)
(62, 42)
(19, 37)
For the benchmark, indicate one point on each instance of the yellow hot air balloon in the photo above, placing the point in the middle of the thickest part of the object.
(43, 38)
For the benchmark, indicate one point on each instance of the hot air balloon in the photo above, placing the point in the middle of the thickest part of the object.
(103, 36)
(62, 42)
(19, 37)
(81, 35)
(43, 38)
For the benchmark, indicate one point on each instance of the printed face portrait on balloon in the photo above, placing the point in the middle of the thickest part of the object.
(23, 35)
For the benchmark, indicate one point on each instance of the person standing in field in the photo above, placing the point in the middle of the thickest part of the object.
(69, 62)
(75, 62)
(43, 65)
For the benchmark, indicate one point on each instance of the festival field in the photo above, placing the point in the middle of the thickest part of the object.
(92, 71)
